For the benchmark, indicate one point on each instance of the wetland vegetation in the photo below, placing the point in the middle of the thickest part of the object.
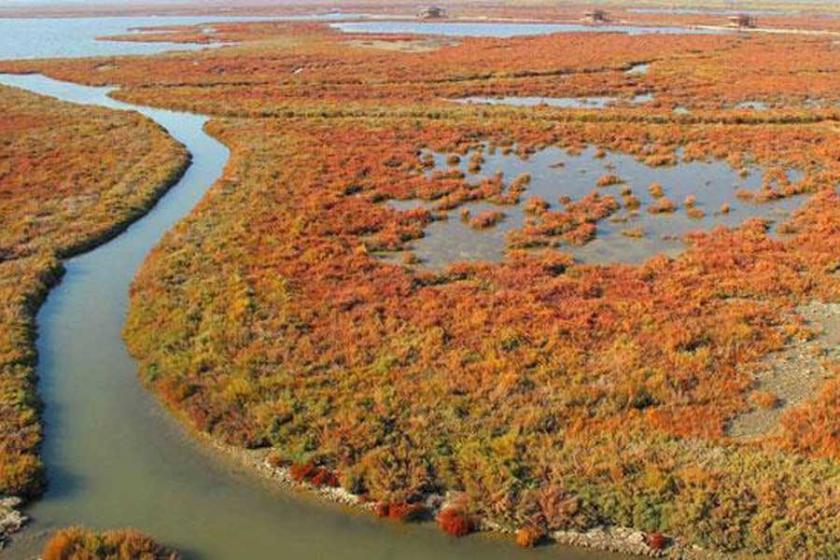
(82, 544)
(545, 319)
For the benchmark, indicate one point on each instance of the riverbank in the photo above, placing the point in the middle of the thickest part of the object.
(12, 519)
(58, 205)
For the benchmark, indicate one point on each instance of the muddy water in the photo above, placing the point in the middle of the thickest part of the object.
(629, 236)
(114, 458)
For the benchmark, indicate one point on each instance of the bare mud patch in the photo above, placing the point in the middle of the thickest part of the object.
(407, 46)
(793, 375)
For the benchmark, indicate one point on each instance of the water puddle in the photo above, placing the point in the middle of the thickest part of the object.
(648, 209)
(638, 69)
(752, 105)
(561, 102)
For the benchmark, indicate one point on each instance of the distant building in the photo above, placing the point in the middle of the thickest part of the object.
(742, 21)
(596, 16)
(431, 12)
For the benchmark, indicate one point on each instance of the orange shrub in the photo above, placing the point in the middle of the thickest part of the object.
(529, 536)
(403, 511)
(455, 522)
(764, 399)
(486, 219)
(663, 205)
(609, 180)
(81, 544)
(656, 191)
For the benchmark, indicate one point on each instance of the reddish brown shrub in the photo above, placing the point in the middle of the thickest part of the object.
(381, 509)
(403, 511)
(324, 477)
(453, 521)
(536, 205)
(764, 399)
(656, 541)
(486, 219)
(609, 180)
(663, 205)
(301, 472)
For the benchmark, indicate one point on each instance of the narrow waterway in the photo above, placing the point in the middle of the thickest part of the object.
(115, 458)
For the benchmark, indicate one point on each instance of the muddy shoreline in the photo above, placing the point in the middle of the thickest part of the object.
(620, 540)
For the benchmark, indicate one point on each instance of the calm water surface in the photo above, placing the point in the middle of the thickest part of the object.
(114, 458)
(505, 29)
(24, 38)
(556, 173)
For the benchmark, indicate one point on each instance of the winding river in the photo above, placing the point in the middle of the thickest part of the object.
(115, 458)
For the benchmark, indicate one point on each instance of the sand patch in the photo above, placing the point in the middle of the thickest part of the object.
(793, 375)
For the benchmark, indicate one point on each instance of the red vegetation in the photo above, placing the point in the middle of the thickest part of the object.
(764, 399)
(814, 428)
(400, 511)
(315, 475)
(454, 521)
(486, 219)
(536, 205)
(656, 541)
(664, 205)
(609, 180)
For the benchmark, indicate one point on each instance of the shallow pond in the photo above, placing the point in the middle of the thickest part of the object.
(561, 102)
(627, 235)
(505, 29)
(115, 458)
